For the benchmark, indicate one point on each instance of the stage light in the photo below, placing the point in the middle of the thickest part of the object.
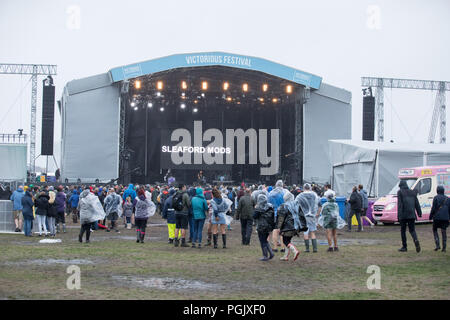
(135, 108)
(159, 85)
(137, 84)
(229, 99)
(288, 88)
(195, 110)
(238, 102)
(274, 100)
(195, 101)
(133, 104)
(149, 104)
(204, 85)
(183, 106)
(261, 99)
(203, 95)
(161, 109)
(245, 87)
(158, 94)
(265, 87)
(226, 85)
(184, 85)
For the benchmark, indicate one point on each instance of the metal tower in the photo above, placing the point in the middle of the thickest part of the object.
(34, 70)
(439, 106)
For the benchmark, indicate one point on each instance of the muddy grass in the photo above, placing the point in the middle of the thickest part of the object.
(114, 266)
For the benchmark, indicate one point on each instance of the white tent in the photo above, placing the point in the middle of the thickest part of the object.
(375, 165)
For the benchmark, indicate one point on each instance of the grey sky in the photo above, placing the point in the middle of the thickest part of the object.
(337, 40)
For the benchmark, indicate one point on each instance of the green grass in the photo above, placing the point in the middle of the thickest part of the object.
(236, 270)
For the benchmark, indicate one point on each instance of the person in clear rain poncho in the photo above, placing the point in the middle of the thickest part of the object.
(91, 210)
(290, 222)
(264, 216)
(309, 203)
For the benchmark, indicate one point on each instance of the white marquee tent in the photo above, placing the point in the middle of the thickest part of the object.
(375, 165)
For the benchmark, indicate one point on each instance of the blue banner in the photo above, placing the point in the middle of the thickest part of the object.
(215, 59)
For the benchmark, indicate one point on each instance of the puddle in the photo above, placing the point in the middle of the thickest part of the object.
(114, 237)
(166, 283)
(48, 262)
(348, 242)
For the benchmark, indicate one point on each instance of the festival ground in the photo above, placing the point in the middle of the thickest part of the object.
(114, 266)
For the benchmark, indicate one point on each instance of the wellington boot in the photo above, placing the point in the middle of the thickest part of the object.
(294, 251)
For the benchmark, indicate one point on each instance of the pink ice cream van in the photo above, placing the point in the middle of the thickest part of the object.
(422, 179)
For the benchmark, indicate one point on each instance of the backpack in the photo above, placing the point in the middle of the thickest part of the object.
(177, 201)
(269, 217)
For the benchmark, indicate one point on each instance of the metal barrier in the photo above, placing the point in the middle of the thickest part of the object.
(6, 216)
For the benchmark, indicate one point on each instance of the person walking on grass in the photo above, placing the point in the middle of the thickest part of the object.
(41, 205)
(330, 214)
(289, 224)
(16, 198)
(355, 209)
(199, 211)
(112, 203)
(181, 203)
(127, 212)
(73, 200)
(407, 206)
(275, 198)
(60, 208)
(244, 213)
(440, 214)
(310, 205)
(218, 220)
(91, 210)
(27, 204)
(144, 209)
(51, 213)
(168, 213)
(264, 216)
(365, 206)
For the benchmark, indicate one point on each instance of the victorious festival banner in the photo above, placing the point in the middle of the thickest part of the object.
(215, 59)
(183, 148)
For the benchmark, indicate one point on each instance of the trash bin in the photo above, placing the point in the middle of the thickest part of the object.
(342, 208)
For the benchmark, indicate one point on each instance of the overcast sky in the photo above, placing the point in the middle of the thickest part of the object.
(337, 40)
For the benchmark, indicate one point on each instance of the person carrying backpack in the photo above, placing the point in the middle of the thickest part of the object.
(168, 213)
(290, 221)
(265, 219)
(440, 214)
(181, 204)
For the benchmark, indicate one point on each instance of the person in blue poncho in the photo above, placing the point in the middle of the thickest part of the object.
(130, 192)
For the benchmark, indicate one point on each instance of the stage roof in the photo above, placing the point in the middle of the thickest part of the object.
(203, 59)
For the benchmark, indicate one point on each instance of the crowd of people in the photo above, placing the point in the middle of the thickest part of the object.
(279, 213)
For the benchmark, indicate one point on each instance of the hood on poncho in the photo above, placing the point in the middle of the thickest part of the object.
(85, 193)
(279, 184)
(308, 202)
(262, 203)
(440, 189)
(288, 196)
(199, 192)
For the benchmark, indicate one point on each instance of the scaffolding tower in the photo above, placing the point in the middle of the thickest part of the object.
(34, 70)
(439, 107)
